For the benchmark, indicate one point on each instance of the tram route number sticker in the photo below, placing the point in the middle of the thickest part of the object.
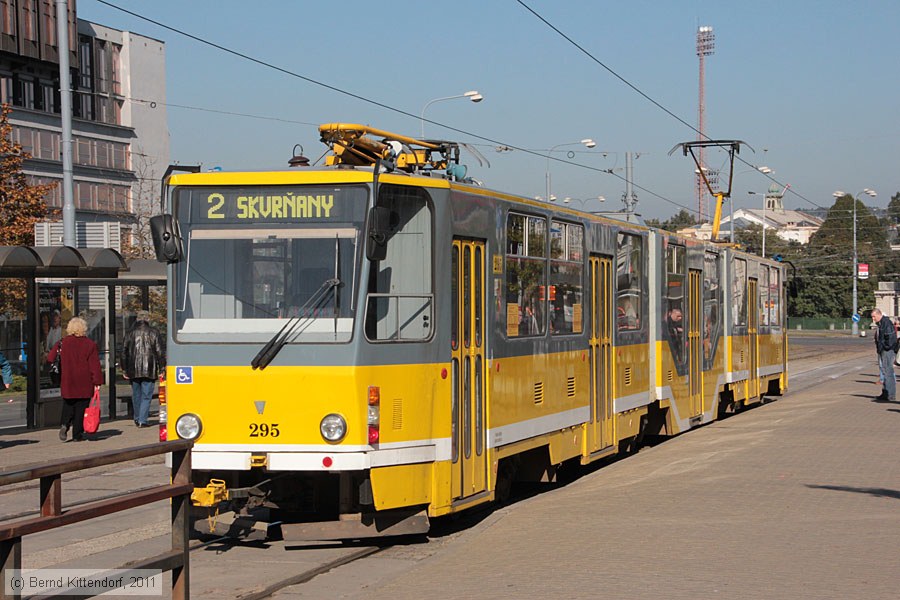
(184, 374)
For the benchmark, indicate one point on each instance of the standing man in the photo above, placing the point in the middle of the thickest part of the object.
(6, 371)
(886, 344)
(143, 360)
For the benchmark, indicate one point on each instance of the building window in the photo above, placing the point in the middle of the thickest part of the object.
(8, 17)
(29, 19)
(23, 92)
(6, 88)
(116, 64)
(48, 35)
(47, 98)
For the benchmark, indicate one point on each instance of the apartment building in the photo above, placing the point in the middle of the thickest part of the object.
(120, 137)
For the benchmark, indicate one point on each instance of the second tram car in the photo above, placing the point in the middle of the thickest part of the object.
(359, 347)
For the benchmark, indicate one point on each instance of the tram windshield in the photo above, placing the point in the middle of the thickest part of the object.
(259, 256)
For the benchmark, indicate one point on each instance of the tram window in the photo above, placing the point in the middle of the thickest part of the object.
(774, 297)
(739, 292)
(399, 306)
(674, 299)
(710, 304)
(629, 280)
(526, 275)
(566, 276)
(763, 295)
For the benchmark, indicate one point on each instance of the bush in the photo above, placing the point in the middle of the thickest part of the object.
(20, 384)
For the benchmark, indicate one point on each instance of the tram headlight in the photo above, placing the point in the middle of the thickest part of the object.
(333, 427)
(188, 427)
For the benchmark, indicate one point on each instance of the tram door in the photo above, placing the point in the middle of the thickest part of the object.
(601, 354)
(752, 330)
(695, 342)
(468, 449)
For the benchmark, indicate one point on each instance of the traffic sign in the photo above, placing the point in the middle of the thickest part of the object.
(863, 270)
(855, 318)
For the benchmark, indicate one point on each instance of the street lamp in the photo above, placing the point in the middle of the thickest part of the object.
(472, 95)
(854, 327)
(763, 252)
(584, 201)
(587, 142)
(765, 171)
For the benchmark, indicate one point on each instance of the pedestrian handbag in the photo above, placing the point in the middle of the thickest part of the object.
(56, 366)
(92, 414)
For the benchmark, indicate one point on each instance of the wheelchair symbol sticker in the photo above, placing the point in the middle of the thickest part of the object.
(184, 374)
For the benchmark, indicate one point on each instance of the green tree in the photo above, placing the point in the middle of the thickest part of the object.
(680, 220)
(825, 270)
(893, 209)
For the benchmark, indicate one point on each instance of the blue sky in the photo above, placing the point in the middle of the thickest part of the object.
(812, 86)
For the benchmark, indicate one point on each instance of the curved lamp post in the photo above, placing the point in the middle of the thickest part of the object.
(839, 194)
(765, 171)
(472, 95)
(587, 143)
(583, 202)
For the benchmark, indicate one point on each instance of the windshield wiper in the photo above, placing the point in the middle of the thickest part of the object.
(288, 331)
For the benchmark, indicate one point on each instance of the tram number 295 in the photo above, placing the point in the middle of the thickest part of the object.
(261, 430)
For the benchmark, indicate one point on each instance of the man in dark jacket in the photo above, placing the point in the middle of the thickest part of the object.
(143, 360)
(885, 344)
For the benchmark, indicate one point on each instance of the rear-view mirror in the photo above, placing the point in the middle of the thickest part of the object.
(166, 238)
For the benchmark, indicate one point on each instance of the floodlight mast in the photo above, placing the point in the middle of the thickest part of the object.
(733, 147)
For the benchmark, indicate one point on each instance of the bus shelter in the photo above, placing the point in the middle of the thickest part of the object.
(56, 274)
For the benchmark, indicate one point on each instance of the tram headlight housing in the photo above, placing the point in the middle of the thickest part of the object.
(188, 426)
(333, 427)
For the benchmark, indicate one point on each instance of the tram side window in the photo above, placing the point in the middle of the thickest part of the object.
(566, 276)
(739, 294)
(629, 278)
(400, 303)
(674, 299)
(710, 304)
(774, 297)
(763, 295)
(526, 275)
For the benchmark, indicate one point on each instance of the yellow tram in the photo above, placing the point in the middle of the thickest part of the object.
(359, 347)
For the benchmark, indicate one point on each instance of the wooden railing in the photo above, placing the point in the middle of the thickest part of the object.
(53, 515)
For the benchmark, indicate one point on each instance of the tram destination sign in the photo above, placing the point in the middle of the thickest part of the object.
(283, 204)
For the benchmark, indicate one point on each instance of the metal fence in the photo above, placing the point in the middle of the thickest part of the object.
(52, 514)
(825, 324)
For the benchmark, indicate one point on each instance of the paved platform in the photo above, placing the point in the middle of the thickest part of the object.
(799, 498)
(795, 499)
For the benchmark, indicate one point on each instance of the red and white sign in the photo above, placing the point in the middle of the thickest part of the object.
(863, 270)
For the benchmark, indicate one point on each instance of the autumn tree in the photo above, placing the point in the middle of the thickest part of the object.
(21, 206)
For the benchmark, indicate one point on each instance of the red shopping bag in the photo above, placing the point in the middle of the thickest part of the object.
(92, 414)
